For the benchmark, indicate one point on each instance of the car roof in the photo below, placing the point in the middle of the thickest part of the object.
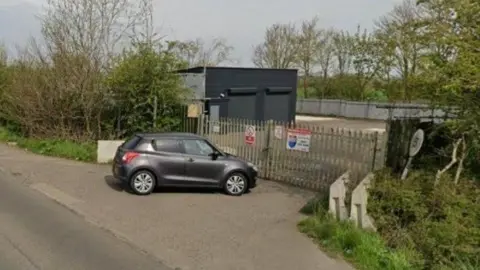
(176, 135)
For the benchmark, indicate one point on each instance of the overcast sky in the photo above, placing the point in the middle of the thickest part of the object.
(242, 23)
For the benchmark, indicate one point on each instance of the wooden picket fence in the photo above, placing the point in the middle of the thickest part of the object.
(331, 151)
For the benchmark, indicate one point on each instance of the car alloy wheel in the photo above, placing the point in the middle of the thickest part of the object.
(236, 184)
(143, 183)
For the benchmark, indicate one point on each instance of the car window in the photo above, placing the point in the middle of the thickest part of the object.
(167, 145)
(131, 143)
(197, 147)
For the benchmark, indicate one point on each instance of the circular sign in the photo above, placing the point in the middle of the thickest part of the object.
(416, 142)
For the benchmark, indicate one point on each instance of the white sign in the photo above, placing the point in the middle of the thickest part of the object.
(216, 128)
(250, 134)
(278, 132)
(299, 139)
(416, 142)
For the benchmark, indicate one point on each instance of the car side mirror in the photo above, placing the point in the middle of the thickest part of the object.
(214, 155)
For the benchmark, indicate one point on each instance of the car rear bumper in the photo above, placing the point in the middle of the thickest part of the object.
(120, 172)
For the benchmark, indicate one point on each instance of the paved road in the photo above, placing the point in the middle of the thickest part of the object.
(37, 233)
(184, 229)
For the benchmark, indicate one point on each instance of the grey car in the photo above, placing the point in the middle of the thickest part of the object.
(152, 160)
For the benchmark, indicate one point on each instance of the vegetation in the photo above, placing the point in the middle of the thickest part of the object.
(434, 214)
(102, 73)
(442, 222)
(52, 147)
(366, 250)
(420, 225)
(385, 63)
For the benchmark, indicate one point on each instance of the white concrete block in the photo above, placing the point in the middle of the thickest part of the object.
(358, 208)
(338, 190)
(106, 150)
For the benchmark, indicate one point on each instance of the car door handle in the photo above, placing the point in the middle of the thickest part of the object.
(190, 160)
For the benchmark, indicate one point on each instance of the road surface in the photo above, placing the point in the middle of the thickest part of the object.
(37, 233)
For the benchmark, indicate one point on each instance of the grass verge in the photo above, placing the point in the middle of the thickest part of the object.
(52, 147)
(364, 249)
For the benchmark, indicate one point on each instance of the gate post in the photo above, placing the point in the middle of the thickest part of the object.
(266, 149)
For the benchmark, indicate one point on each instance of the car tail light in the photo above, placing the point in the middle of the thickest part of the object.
(129, 156)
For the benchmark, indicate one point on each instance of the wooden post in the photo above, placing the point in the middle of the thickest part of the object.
(200, 119)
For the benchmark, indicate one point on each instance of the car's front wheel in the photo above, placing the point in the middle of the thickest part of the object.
(236, 184)
(142, 182)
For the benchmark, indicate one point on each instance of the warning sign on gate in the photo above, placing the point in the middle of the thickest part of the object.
(299, 139)
(250, 134)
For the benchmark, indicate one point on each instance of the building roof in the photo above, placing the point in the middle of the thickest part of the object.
(200, 69)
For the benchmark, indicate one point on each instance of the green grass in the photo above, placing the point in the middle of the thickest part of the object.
(52, 147)
(366, 250)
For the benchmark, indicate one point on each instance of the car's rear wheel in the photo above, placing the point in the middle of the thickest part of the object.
(236, 184)
(142, 182)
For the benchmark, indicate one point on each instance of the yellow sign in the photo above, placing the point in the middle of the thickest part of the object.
(193, 110)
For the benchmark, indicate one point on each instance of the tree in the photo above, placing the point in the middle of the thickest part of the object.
(147, 91)
(325, 54)
(199, 53)
(96, 28)
(457, 77)
(401, 25)
(385, 75)
(309, 40)
(4, 78)
(279, 49)
(342, 42)
(57, 90)
(366, 59)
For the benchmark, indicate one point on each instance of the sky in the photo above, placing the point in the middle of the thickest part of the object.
(242, 23)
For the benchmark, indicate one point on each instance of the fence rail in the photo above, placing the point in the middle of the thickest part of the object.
(330, 152)
(364, 110)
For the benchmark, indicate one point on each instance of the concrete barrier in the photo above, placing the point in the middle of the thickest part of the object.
(358, 209)
(338, 190)
(106, 150)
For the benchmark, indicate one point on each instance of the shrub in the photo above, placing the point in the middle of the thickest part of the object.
(442, 223)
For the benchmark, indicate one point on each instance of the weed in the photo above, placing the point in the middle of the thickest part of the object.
(364, 249)
(52, 147)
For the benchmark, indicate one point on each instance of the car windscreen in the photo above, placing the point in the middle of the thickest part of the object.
(131, 143)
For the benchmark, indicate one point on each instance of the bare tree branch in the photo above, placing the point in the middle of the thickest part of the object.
(280, 48)
(452, 162)
(199, 53)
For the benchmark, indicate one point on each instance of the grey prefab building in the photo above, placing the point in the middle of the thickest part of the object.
(246, 93)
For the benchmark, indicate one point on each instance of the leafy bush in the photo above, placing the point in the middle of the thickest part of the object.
(441, 223)
(145, 83)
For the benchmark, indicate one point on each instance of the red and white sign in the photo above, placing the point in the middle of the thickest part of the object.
(250, 134)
